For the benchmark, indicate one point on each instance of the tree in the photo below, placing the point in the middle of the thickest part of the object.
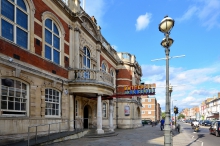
(181, 116)
(163, 115)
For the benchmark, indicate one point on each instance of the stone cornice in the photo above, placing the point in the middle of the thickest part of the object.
(34, 70)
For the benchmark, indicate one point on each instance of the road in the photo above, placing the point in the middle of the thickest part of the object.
(202, 136)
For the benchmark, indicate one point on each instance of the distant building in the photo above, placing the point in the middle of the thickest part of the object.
(150, 108)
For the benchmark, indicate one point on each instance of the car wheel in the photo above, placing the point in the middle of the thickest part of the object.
(210, 132)
(216, 134)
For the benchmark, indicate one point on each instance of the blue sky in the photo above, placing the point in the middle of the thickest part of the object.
(132, 26)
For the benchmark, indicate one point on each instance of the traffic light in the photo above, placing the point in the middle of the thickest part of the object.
(175, 110)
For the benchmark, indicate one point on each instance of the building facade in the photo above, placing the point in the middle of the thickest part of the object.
(150, 108)
(55, 66)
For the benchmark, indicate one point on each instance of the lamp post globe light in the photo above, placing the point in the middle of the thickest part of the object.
(165, 27)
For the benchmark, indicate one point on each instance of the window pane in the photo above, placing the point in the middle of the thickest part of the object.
(56, 42)
(4, 90)
(11, 105)
(56, 56)
(48, 36)
(4, 105)
(88, 53)
(55, 30)
(23, 106)
(88, 63)
(22, 38)
(21, 4)
(7, 9)
(22, 19)
(11, 91)
(24, 86)
(84, 60)
(48, 24)
(7, 30)
(47, 52)
(17, 106)
(4, 97)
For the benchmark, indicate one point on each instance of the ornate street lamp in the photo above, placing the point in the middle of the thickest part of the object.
(165, 27)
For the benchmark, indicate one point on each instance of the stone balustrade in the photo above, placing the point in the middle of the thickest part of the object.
(91, 76)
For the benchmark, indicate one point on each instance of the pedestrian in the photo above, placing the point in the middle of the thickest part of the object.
(152, 123)
(162, 124)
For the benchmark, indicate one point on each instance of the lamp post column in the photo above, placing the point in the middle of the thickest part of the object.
(167, 129)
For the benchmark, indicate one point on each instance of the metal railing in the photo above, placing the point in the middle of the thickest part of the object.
(51, 130)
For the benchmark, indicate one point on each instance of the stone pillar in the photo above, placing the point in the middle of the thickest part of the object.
(71, 113)
(99, 115)
(98, 51)
(111, 108)
(76, 47)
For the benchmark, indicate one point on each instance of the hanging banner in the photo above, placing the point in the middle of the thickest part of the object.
(127, 110)
(140, 89)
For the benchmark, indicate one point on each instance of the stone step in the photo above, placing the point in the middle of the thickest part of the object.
(93, 134)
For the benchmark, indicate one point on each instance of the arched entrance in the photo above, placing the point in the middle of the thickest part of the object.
(86, 117)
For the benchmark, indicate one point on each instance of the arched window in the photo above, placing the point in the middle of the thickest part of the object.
(52, 41)
(86, 62)
(52, 100)
(104, 110)
(86, 58)
(112, 73)
(13, 97)
(14, 21)
(104, 68)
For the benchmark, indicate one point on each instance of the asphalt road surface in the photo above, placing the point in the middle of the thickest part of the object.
(203, 136)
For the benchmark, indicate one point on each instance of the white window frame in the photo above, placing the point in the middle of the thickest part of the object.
(27, 99)
(59, 108)
(15, 25)
(53, 34)
(149, 112)
(143, 112)
(149, 106)
(149, 100)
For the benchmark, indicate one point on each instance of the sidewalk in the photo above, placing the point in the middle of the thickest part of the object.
(143, 136)
(179, 139)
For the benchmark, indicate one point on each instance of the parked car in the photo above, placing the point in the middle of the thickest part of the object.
(200, 122)
(206, 123)
(215, 128)
(146, 122)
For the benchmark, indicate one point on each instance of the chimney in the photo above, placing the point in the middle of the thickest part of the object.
(94, 20)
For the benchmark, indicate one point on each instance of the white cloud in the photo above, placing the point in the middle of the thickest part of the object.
(206, 10)
(189, 13)
(143, 21)
(190, 87)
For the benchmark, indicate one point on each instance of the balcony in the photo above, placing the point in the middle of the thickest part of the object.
(90, 82)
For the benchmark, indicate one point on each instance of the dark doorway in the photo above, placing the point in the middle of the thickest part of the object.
(86, 116)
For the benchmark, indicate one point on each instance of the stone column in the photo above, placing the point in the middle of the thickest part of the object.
(76, 47)
(111, 127)
(71, 112)
(99, 115)
(98, 51)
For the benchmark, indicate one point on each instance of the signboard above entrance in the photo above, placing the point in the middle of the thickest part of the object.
(140, 89)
